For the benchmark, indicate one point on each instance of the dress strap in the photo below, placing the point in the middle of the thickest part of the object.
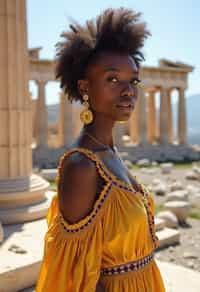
(89, 154)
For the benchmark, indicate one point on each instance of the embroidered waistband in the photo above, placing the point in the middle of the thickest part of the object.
(129, 267)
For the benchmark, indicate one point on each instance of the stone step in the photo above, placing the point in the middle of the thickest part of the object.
(159, 223)
(168, 236)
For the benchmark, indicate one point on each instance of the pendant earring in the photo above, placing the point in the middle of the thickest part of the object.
(86, 115)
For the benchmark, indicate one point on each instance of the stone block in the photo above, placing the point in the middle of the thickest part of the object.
(166, 168)
(159, 223)
(168, 236)
(180, 195)
(170, 218)
(180, 208)
(143, 162)
(176, 186)
(160, 189)
(49, 174)
(192, 175)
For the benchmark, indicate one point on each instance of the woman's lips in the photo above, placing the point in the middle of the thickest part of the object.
(125, 106)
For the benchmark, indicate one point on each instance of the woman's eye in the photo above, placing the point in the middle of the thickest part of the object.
(135, 82)
(113, 79)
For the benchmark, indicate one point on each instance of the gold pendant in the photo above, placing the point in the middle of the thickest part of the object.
(86, 116)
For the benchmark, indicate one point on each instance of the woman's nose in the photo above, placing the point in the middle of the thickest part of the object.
(128, 90)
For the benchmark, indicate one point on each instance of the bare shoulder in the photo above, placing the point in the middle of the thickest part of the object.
(77, 187)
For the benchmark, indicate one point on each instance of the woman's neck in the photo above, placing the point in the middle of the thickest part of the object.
(101, 130)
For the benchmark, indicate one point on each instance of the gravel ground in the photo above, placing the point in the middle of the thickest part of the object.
(187, 253)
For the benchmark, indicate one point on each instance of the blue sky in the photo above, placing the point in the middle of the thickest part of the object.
(174, 25)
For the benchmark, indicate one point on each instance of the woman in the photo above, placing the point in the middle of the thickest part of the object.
(101, 234)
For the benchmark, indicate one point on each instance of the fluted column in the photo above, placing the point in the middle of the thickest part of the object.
(181, 117)
(164, 126)
(142, 116)
(66, 121)
(41, 116)
(15, 103)
(18, 188)
(170, 118)
(133, 125)
(152, 124)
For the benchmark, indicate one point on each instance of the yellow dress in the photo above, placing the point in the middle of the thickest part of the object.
(115, 242)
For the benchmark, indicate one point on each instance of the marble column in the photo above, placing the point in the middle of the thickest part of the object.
(164, 126)
(17, 186)
(152, 123)
(41, 116)
(181, 117)
(170, 118)
(66, 121)
(142, 116)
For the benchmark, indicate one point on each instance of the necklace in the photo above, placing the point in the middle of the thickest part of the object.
(114, 149)
(100, 143)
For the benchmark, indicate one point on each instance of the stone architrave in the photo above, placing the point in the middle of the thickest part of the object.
(41, 116)
(18, 188)
(152, 123)
(181, 117)
(142, 116)
(164, 125)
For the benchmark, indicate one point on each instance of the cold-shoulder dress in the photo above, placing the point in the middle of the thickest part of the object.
(115, 242)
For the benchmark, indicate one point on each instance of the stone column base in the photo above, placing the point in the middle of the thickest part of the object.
(28, 205)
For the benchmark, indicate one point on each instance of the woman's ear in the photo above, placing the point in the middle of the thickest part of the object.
(82, 86)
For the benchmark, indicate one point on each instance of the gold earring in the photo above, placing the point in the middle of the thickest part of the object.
(86, 115)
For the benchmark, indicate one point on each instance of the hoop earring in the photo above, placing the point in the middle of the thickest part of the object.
(86, 115)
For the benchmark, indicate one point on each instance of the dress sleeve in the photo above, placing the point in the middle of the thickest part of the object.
(73, 252)
(72, 257)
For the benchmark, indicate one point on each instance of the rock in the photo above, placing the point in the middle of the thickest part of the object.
(190, 264)
(159, 189)
(196, 169)
(189, 255)
(192, 175)
(181, 195)
(143, 162)
(180, 208)
(150, 171)
(192, 189)
(166, 168)
(17, 249)
(168, 236)
(170, 219)
(128, 163)
(159, 223)
(156, 181)
(154, 163)
(195, 200)
(49, 174)
(175, 186)
(1, 233)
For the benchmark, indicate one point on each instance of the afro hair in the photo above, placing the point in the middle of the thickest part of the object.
(115, 30)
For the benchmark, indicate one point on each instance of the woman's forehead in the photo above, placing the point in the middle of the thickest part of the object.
(114, 62)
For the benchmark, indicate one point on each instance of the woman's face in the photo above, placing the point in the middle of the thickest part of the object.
(112, 86)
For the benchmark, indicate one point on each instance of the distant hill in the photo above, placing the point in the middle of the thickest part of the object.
(193, 117)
